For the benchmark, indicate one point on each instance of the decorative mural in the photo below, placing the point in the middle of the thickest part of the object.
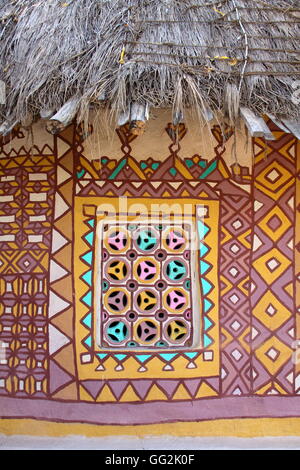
(113, 311)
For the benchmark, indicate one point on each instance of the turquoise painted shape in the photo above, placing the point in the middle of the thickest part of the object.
(89, 238)
(207, 324)
(144, 166)
(203, 250)
(173, 171)
(207, 341)
(189, 163)
(88, 257)
(207, 287)
(142, 357)
(80, 174)
(155, 166)
(87, 321)
(202, 229)
(202, 164)
(101, 356)
(168, 357)
(87, 277)
(207, 305)
(104, 160)
(88, 341)
(204, 267)
(209, 170)
(191, 355)
(87, 299)
(120, 357)
(91, 223)
(118, 169)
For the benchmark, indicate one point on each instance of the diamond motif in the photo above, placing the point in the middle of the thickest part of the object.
(273, 175)
(273, 354)
(236, 325)
(27, 263)
(274, 179)
(273, 264)
(236, 354)
(235, 248)
(274, 223)
(237, 224)
(271, 310)
(234, 299)
(234, 272)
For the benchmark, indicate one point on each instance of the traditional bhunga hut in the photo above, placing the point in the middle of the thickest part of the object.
(150, 212)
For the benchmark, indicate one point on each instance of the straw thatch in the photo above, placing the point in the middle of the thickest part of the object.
(164, 53)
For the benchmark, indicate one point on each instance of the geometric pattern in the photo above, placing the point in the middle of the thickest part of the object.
(27, 183)
(139, 261)
(248, 272)
(272, 273)
(235, 314)
(23, 317)
(154, 178)
(62, 383)
(174, 366)
(297, 273)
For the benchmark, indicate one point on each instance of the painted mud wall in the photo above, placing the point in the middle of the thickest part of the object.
(51, 364)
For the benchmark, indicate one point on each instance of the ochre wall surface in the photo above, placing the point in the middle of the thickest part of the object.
(246, 365)
(154, 142)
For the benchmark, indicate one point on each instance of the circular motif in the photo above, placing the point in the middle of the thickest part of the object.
(161, 315)
(131, 255)
(146, 300)
(176, 331)
(146, 270)
(175, 300)
(116, 331)
(160, 285)
(117, 239)
(175, 270)
(174, 239)
(132, 285)
(146, 239)
(131, 316)
(146, 331)
(117, 270)
(160, 255)
(116, 300)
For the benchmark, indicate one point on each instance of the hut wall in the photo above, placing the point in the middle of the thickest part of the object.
(241, 363)
(154, 143)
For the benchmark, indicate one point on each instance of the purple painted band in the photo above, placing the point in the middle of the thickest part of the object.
(151, 413)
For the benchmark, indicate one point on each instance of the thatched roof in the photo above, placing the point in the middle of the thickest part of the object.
(221, 55)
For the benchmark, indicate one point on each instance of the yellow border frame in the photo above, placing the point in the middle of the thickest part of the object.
(155, 366)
